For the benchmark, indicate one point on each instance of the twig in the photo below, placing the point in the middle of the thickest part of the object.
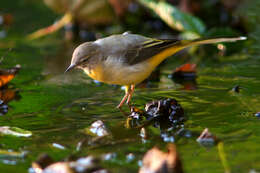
(67, 18)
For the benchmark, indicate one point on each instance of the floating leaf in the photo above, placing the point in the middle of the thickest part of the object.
(8, 74)
(174, 17)
(15, 131)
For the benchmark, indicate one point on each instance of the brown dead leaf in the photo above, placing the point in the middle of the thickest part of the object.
(156, 161)
(186, 68)
(7, 95)
(8, 74)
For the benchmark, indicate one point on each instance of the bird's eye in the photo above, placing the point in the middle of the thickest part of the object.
(85, 60)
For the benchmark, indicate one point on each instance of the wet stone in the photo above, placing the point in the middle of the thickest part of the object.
(98, 128)
(257, 114)
(165, 114)
(165, 108)
(207, 139)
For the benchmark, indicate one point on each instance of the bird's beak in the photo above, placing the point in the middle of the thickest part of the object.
(70, 67)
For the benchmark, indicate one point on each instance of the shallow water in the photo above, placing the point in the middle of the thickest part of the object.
(56, 107)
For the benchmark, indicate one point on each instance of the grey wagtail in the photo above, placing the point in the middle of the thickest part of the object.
(127, 59)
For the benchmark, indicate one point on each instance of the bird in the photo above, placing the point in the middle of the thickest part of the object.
(127, 59)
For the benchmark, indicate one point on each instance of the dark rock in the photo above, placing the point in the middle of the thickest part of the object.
(165, 108)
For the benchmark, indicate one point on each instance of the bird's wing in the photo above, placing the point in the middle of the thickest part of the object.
(147, 49)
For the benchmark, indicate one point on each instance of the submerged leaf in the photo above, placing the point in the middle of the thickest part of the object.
(175, 18)
(15, 131)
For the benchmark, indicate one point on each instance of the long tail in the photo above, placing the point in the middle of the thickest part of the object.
(176, 47)
(187, 43)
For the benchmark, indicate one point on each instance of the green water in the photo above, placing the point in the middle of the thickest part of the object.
(56, 107)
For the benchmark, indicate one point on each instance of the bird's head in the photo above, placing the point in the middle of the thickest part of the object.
(82, 55)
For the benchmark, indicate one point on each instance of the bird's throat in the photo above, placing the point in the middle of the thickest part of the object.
(95, 73)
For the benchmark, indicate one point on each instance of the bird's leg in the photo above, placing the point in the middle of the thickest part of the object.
(125, 97)
(130, 94)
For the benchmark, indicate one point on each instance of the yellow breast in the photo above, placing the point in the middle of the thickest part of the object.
(95, 73)
(119, 73)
